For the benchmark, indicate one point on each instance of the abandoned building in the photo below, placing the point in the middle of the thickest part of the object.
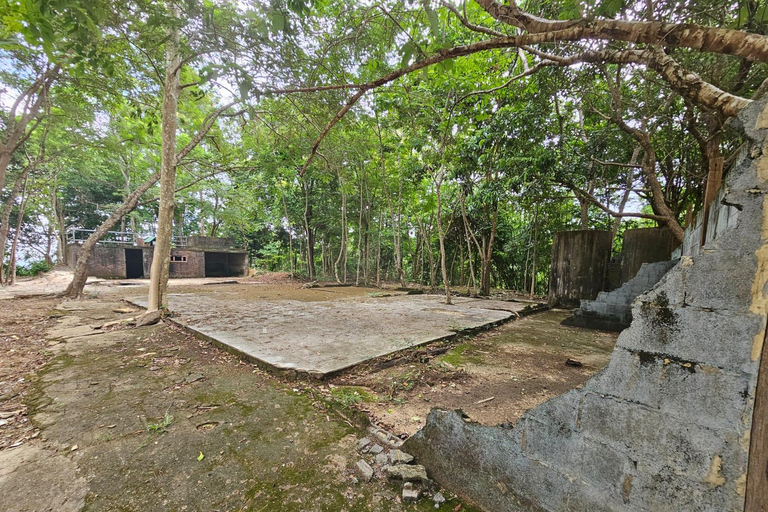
(126, 256)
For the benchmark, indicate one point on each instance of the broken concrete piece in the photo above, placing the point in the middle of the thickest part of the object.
(400, 457)
(361, 444)
(439, 499)
(407, 473)
(365, 470)
(149, 318)
(376, 449)
(410, 492)
(381, 459)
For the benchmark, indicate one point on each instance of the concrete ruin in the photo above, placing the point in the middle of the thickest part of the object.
(612, 311)
(192, 256)
(305, 336)
(666, 425)
(579, 262)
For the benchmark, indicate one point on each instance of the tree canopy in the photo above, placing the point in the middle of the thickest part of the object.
(435, 142)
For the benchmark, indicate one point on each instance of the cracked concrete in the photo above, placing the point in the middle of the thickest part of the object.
(325, 337)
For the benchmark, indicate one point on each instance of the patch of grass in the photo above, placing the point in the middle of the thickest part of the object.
(161, 425)
(456, 356)
(348, 395)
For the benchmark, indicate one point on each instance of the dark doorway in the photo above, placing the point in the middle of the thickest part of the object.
(134, 263)
(216, 264)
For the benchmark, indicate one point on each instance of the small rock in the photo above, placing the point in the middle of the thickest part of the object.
(410, 492)
(149, 318)
(363, 443)
(376, 449)
(439, 499)
(383, 436)
(381, 459)
(407, 473)
(365, 470)
(573, 362)
(399, 457)
(194, 377)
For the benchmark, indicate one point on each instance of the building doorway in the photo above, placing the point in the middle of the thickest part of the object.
(134, 263)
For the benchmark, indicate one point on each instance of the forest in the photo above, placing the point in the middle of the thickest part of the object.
(433, 142)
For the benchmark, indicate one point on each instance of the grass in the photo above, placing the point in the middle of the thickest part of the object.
(348, 395)
(162, 425)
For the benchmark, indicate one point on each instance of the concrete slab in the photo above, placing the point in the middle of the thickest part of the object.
(324, 337)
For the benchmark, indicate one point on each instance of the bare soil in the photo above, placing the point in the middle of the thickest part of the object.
(153, 418)
(25, 350)
(493, 377)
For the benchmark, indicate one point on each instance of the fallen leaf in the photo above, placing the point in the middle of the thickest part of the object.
(201, 456)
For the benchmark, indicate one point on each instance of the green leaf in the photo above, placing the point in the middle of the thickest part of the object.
(609, 8)
(201, 456)
(407, 52)
(434, 22)
(277, 20)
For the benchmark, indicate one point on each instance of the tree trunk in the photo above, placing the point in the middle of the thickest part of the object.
(534, 240)
(6, 218)
(11, 277)
(161, 256)
(343, 243)
(75, 288)
(309, 231)
(290, 236)
(627, 191)
(485, 278)
(441, 235)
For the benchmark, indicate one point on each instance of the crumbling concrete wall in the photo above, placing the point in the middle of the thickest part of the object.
(646, 245)
(612, 311)
(666, 425)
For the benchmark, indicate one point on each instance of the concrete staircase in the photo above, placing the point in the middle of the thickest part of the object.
(612, 311)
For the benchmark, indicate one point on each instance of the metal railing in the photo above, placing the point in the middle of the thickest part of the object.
(79, 235)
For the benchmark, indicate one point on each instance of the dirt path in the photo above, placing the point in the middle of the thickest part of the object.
(154, 419)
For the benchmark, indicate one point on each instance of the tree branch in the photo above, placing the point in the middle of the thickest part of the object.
(749, 46)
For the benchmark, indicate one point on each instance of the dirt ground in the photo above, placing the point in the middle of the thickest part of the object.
(155, 419)
(493, 377)
(152, 418)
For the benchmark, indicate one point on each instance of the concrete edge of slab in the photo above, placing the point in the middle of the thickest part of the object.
(294, 373)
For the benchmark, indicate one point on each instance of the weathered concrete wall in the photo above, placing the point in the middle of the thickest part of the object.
(210, 242)
(579, 262)
(105, 262)
(721, 218)
(194, 266)
(666, 425)
(647, 245)
(612, 311)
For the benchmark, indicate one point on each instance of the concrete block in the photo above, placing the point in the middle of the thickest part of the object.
(713, 397)
(629, 378)
(680, 337)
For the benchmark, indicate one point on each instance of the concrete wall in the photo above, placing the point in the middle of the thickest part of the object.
(721, 218)
(109, 262)
(105, 262)
(612, 311)
(210, 242)
(579, 262)
(666, 425)
(193, 267)
(647, 245)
